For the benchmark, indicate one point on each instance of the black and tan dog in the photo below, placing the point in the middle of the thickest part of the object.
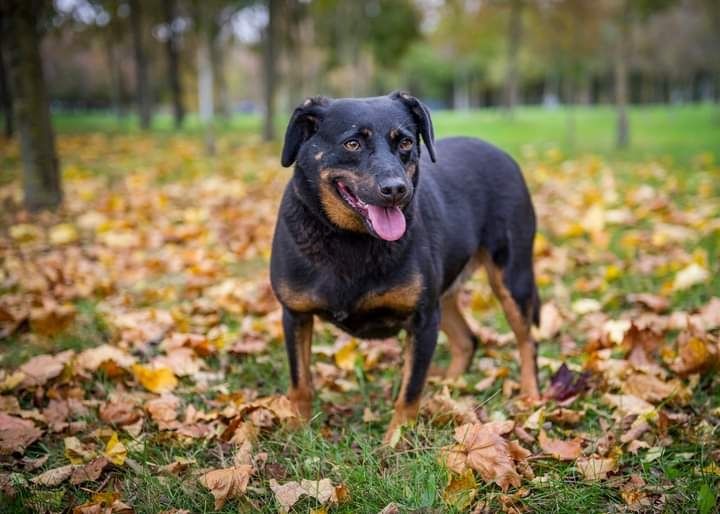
(374, 238)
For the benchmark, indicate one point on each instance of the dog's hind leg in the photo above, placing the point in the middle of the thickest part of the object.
(298, 328)
(461, 340)
(419, 348)
(515, 287)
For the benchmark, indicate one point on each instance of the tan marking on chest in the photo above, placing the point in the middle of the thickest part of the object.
(298, 300)
(399, 298)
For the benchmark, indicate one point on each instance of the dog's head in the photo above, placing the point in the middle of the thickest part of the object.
(359, 158)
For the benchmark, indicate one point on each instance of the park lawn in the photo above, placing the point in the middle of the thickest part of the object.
(157, 240)
(678, 133)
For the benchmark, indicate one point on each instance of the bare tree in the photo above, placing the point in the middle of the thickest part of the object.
(172, 51)
(141, 74)
(41, 173)
(205, 82)
(621, 57)
(514, 39)
(5, 93)
(270, 49)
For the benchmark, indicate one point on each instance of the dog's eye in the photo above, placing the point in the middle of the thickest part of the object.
(406, 144)
(352, 145)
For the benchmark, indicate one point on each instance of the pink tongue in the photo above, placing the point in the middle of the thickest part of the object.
(388, 222)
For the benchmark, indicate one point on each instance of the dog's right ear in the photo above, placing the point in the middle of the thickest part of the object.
(303, 124)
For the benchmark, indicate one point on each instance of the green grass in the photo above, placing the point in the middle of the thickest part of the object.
(676, 132)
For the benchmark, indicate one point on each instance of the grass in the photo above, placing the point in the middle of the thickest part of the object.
(339, 444)
(678, 132)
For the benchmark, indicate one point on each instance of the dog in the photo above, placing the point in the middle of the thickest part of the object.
(375, 236)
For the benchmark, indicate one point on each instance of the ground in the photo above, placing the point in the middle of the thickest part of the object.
(141, 357)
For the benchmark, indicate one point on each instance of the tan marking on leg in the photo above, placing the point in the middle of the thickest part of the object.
(297, 300)
(400, 298)
(301, 395)
(318, 156)
(453, 323)
(520, 326)
(410, 169)
(404, 412)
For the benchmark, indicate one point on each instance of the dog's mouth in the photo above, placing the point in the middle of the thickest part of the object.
(387, 223)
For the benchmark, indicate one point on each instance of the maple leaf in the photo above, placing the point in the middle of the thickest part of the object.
(289, 493)
(565, 384)
(596, 468)
(559, 449)
(16, 434)
(227, 483)
(488, 453)
(115, 451)
(42, 368)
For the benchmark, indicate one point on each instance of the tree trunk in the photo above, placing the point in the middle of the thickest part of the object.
(116, 88)
(514, 38)
(222, 107)
(171, 47)
(142, 90)
(621, 77)
(206, 105)
(41, 173)
(5, 93)
(270, 72)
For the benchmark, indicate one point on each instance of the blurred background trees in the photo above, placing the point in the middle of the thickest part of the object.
(220, 57)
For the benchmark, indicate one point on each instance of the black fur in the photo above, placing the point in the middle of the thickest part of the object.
(473, 198)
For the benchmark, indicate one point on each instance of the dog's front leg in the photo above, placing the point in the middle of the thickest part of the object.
(419, 349)
(298, 328)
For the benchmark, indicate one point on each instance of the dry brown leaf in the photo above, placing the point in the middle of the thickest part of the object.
(596, 468)
(55, 476)
(488, 453)
(16, 434)
(77, 452)
(559, 449)
(696, 354)
(651, 388)
(227, 483)
(289, 493)
(42, 368)
(93, 358)
(182, 361)
(443, 409)
(90, 471)
(163, 410)
(119, 412)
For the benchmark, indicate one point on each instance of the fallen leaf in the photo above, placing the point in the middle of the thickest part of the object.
(488, 453)
(227, 483)
(695, 354)
(92, 358)
(163, 410)
(565, 384)
(119, 412)
(42, 368)
(289, 493)
(690, 276)
(651, 388)
(346, 356)
(159, 380)
(559, 449)
(16, 434)
(460, 491)
(594, 468)
(115, 451)
(77, 452)
(90, 471)
(54, 477)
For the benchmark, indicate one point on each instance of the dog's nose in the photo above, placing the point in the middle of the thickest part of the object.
(393, 189)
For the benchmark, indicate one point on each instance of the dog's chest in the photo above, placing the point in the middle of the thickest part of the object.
(356, 309)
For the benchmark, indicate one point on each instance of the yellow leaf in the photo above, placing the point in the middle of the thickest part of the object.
(76, 452)
(461, 490)
(345, 357)
(157, 380)
(63, 233)
(115, 451)
(689, 276)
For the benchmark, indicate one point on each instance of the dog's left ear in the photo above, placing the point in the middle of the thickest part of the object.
(304, 122)
(422, 118)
